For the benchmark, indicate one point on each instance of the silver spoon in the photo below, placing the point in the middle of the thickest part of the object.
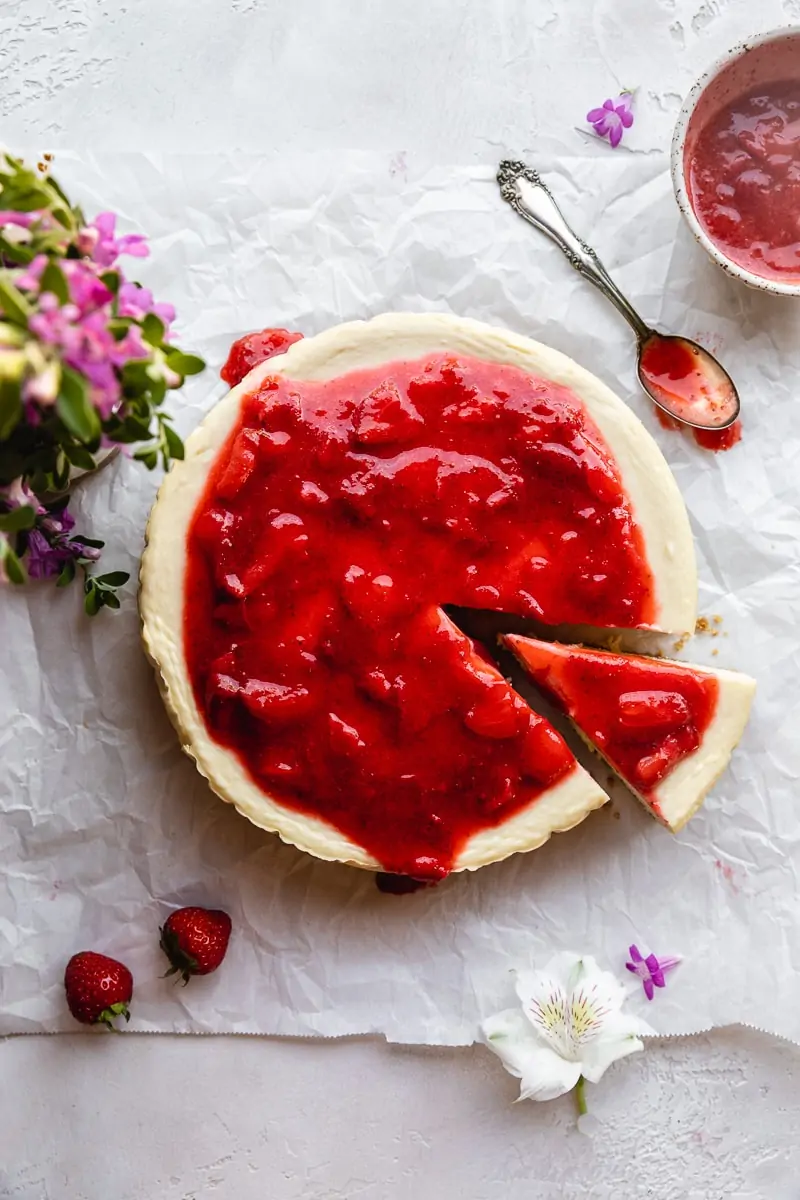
(679, 376)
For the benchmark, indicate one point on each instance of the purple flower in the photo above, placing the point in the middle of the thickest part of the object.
(24, 220)
(651, 970)
(97, 241)
(49, 546)
(613, 118)
(85, 289)
(29, 279)
(136, 301)
(81, 332)
(19, 493)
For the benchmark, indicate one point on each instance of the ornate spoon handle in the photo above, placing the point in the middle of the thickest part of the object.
(532, 199)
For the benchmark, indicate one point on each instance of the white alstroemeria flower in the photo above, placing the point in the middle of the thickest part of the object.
(570, 1025)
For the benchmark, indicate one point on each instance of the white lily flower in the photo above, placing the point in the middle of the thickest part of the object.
(570, 1025)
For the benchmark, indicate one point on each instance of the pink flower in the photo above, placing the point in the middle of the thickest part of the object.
(97, 241)
(136, 301)
(650, 970)
(613, 118)
(25, 219)
(85, 341)
(85, 289)
(28, 281)
(50, 547)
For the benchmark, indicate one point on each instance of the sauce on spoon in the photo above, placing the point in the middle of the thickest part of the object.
(689, 383)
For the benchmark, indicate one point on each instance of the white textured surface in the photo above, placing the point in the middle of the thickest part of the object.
(701, 1119)
(715, 1119)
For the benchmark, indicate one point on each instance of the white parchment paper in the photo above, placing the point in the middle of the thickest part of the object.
(105, 825)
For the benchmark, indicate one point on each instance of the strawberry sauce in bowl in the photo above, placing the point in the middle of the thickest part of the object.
(736, 162)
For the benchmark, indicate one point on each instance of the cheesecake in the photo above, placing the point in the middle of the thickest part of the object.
(301, 558)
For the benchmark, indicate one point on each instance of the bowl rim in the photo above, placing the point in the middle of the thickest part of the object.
(775, 286)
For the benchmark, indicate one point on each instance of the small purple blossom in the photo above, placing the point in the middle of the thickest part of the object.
(651, 970)
(136, 301)
(50, 547)
(29, 279)
(85, 289)
(18, 493)
(98, 241)
(23, 219)
(613, 118)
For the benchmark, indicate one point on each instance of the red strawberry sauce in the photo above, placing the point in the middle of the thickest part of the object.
(743, 178)
(643, 714)
(254, 348)
(680, 377)
(337, 519)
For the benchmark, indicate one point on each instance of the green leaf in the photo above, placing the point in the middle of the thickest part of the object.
(54, 280)
(119, 327)
(18, 519)
(61, 473)
(135, 373)
(111, 280)
(79, 456)
(16, 252)
(67, 574)
(158, 390)
(75, 409)
(93, 542)
(113, 579)
(153, 329)
(148, 456)
(92, 603)
(14, 568)
(110, 599)
(10, 407)
(12, 301)
(173, 442)
(185, 364)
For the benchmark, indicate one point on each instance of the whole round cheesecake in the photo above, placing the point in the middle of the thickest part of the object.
(301, 559)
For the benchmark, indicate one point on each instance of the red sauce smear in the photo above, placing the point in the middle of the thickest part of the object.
(692, 386)
(337, 519)
(744, 180)
(643, 714)
(255, 348)
(709, 439)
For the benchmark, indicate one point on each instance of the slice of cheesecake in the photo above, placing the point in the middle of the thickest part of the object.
(667, 728)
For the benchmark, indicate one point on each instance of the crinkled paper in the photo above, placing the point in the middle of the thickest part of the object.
(105, 824)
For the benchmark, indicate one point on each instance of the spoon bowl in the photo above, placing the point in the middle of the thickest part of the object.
(686, 382)
(682, 379)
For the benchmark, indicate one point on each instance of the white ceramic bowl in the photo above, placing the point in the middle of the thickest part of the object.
(764, 58)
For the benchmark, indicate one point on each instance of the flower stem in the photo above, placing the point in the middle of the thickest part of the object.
(580, 1097)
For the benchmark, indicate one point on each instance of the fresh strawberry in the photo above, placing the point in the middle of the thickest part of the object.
(195, 940)
(98, 988)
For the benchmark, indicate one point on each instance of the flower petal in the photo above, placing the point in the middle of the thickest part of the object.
(601, 1054)
(635, 953)
(595, 115)
(647, 984)
(510, 1036)
(561, 974)
(615, 134)
(545, 1075)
